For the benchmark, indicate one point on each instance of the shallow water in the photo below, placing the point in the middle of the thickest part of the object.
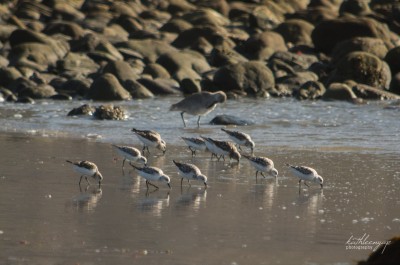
(47, 219)
(331, 126)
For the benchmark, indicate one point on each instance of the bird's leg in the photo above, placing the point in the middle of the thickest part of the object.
(152, 185)
(123, 163)
(181, 182)
(144, 148)
(189, 183)
(193, 151)
(223, 157)
(239, 148)
(262, 174)
(184, 124)
(299, 184)
(87, 180)
(148, 151)
(80, 180)
(198, 122)
(305, 183)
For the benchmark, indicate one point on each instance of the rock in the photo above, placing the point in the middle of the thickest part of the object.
(137, 90)
(178, 6)
(362, 67)
(121, 70)
(176, 25)
(262, 46)
(107, 87)
(75, 87)
(310, 90)
(356, 7)
(70, 29)
(330, 32)
(109, 112)
(293, 81)
(184, 64)
(296, 31)
(253, 78)
(160, 86)
(82, 110)
(77, 65)
(206, 16)
(371, 45)
(222, 55)
(25, 100)
(395, 84)
(190, 86)
(24, 87)
(393, 59)
(156, 71)
(8, 75)
(369, 92)
(339, 91)
(385, 254)
(192, 37)
(61, 97)
(7, 95)
(229, 120)
(266, 17)
(150, 49)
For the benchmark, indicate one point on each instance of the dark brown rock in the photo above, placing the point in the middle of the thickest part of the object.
(296, 31)
(362, 67)
(230, 120)
(310, 90)
(121, 70)
(262, 46)
(156, 71)
(159, 86)
(107, 87)
(393, 59)
(385, 254)
(253, 78)
(329, 33)
(137, 90)
(373, 93)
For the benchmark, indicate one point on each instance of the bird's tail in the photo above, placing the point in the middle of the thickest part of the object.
(138, 168)
(289, 165)
(134, 130)
(69, 161)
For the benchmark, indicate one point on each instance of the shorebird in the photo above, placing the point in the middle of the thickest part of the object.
(150, 138)
(131, 154)
(263, 164)
(306, 174)
(87, 169)
(222, 148)
(240, 138)
(199, 104)
(152, 174)
(190, 172)
(195, 144)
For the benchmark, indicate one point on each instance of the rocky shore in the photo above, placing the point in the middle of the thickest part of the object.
(123, 50)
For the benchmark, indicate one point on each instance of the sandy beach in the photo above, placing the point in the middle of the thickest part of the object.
(47, 219)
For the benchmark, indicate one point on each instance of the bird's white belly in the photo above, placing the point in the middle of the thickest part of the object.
(84, 171)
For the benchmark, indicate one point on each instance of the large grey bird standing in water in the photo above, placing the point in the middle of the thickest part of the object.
(199, 104)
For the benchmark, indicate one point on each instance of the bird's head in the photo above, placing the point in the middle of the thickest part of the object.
(235, 155)
(165, 178)
(251, 145)
(162, 146)
(220, 96)
(274, 172)
(142, 160)
(99, 177)
(319, 180)
(203, 178)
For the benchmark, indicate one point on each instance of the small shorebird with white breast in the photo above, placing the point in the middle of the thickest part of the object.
(222, 148)
(263, 164)
(150, 138)
(131, 154)
(190, 172)
(199, 104)
(306, 174)
(152, 174)
(240, 138)
(87, 169)
(195, 144)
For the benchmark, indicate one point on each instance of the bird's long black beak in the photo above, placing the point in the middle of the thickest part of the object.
(205, 185)
(169, 185)
(322, 186)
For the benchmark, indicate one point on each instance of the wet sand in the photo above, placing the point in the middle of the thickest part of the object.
(47, 219)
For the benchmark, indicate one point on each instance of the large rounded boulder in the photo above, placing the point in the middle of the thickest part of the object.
(362, 67)
(252, 78)
(107, 87)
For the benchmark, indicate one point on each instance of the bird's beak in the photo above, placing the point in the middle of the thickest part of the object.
(322, 186)
(205, 185)
(169, 185)
(164, 152)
